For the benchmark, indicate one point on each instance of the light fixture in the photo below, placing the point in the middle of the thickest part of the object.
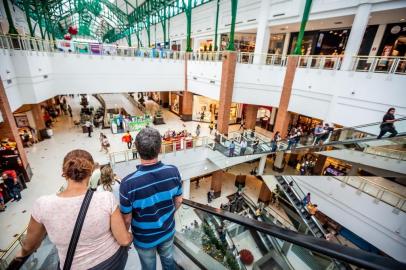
(402, 19)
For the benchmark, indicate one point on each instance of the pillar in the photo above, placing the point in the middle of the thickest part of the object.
(261, 165)
(264, 194)
(226, 90)
(38, 119)
(357, 33)
(165, 99)
(251, 112)
(186, 189)
(286, 44)
(263, 34)
(216, 182)
(283, 116)
(8, 128)
(187, 106)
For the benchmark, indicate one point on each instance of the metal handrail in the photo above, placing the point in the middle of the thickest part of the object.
(357, 257)
(6, 252)
(381, 190)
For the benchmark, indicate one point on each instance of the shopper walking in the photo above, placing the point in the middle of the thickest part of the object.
(56, 215)
(242, 124)
(70, 110)
(231, 149)
(149, 198)
(211, 127)
(105, 144)
(387, 124)
(89, 128)
(243, 147)
(127, 138)
(109, 182)
(275, 141)
(12, 185)
(101, 136)
(198, 130)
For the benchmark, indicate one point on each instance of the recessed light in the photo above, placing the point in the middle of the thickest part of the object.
(402, 19)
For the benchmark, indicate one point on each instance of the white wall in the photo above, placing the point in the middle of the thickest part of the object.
(375, 223)
(204, 78)
(83, 74)
(345, 97)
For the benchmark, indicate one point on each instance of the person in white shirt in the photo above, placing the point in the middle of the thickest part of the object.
(243, 146)
(88, 125)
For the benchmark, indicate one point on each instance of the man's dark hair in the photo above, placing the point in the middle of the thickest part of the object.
(148, 143)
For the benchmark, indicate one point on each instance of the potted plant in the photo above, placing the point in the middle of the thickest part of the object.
(159, 117)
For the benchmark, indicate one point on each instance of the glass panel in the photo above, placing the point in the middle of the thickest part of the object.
(222, 244)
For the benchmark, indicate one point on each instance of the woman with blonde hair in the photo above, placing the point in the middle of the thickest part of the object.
(69, 219)
(109, 182)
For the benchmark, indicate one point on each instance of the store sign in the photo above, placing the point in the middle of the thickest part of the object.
(396, 29)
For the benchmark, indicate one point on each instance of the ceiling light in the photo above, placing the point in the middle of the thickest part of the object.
(402, 19)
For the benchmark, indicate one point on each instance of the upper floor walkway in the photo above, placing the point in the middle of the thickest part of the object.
(35, 70)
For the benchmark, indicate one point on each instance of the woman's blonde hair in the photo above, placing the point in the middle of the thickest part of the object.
(107, 178)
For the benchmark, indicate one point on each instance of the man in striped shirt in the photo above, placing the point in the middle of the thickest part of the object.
(149, 198)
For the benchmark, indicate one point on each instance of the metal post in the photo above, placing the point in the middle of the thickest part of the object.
(303, 26)
(188, 12)
(234, 4)
(11, 28)
(27, 14)
(217, 26)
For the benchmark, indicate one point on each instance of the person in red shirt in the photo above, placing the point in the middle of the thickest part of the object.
(127, 139)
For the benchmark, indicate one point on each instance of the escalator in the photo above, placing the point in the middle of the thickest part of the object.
(295, 195)
(195, 256)
(358, 138)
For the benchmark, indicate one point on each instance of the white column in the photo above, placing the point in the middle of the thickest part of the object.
(186, 189)
(357, 33)
(377, 40)
(261, 166)
(263, 33)
(286, 44)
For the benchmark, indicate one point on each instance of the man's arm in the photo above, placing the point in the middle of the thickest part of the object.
(178, 201)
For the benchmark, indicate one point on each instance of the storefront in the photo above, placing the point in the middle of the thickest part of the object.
(335, 167)
(276, 44)
(175, 104)
(243, 42)
(323, 42)
(266, 117)
(206, 45)
(394, 40)
(206, 110)
(307, 123)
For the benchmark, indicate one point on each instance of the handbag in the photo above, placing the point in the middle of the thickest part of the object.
(77, 229)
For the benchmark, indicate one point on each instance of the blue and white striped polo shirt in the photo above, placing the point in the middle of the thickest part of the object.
(148, 194)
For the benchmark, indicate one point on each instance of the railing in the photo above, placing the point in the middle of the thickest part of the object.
(380, 64)
(16, 42)
(338, 252)
(386, 152)
(349, 135)
(7, 255)
(379, 192)
(182, 144)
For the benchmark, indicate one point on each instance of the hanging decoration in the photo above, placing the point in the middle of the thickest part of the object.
(73, 30)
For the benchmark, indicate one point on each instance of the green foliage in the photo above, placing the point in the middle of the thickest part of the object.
(232, 262)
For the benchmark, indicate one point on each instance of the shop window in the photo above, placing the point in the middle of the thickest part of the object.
(394, 40)
(276, 44)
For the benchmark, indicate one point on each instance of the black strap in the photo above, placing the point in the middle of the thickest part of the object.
(77, 229)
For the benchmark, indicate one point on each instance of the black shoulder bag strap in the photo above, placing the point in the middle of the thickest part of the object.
(77, 229)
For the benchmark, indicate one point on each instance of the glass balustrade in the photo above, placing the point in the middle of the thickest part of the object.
(216, 239)
(365, 136)
(393, 65)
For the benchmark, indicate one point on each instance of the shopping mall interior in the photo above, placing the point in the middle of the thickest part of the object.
(286, 121)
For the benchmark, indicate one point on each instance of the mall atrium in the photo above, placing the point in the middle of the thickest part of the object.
(203, 134)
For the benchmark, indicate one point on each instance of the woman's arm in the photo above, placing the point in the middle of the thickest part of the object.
(119, 230)
(35, 234)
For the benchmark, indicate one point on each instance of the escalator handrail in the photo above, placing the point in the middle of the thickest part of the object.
(357, 257)
(370, 124)
(301, 199)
